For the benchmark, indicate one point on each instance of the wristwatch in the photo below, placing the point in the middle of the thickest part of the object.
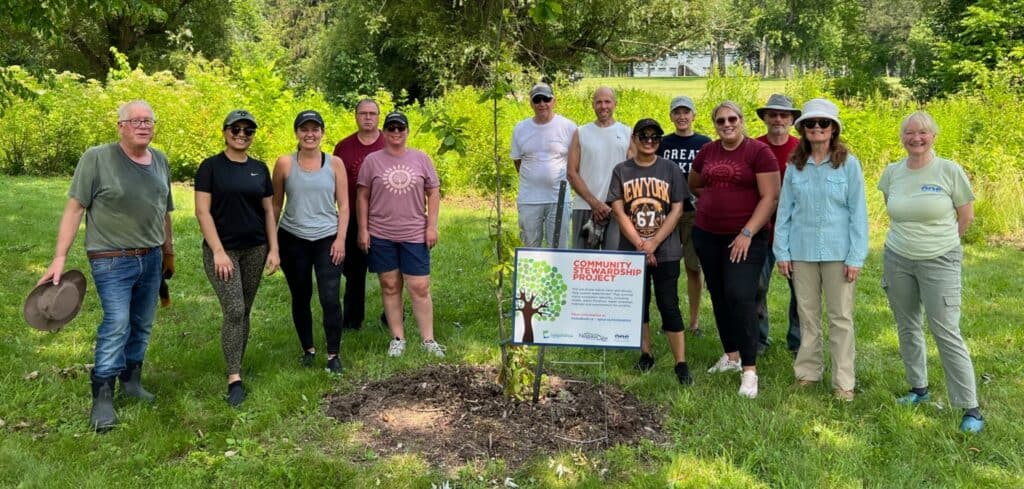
(746, 232)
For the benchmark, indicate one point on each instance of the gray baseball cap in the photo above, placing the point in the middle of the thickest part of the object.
(778, 102)
(682, 101)
(239, 115)
(541, 89)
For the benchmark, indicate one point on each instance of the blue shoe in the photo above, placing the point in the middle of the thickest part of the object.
(913, 399)
(970, 424)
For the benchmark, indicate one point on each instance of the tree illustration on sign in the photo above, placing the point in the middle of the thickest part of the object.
(541, 293)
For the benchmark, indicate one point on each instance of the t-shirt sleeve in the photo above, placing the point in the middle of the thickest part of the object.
(84, 183)
(680, 191)
(516, 152)
(698, 161)
(615, 187)
(363, 180)
(430, 173)
(268, 186)
(885, 180)
(204, 177)
(960, 186)
(764, 160)
(167, 171)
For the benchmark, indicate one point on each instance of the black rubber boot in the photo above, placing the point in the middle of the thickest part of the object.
(103, 417)
(131, 383)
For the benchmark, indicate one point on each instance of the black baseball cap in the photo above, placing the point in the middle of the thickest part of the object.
(396, 117)
(647, 124)
(306, 116)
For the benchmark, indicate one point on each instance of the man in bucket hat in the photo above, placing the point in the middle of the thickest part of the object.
(124, 191)
(778, 115)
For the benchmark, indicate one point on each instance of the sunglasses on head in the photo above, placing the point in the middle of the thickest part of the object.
(394, 128)
(812, 123)
(249, 131)
(648, 138)
(722, 120)
(541, 99)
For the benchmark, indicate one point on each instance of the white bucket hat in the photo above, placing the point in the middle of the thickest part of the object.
(820, 108)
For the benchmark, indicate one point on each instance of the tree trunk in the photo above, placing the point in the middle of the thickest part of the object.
(720, 52)
(787, 65)
(762, 57)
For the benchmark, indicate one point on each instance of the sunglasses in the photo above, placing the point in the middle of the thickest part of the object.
(249, 131)
(395, 128)
(648, 138)
(540, 99)
(722, 120)
(812, 123)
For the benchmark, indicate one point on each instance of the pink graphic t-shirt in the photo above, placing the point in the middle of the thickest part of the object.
(398, 184)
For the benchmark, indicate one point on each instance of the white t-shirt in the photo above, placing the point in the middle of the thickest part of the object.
(544, 151)
(601, 148)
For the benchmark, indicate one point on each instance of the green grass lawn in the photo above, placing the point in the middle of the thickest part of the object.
(672, 86)
(281, 438)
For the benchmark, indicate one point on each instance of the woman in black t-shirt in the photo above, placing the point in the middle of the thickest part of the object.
(236, 217)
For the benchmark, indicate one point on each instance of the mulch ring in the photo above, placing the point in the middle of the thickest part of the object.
(453, 414)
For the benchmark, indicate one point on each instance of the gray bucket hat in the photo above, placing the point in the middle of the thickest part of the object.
(778, 102)
(49, 307)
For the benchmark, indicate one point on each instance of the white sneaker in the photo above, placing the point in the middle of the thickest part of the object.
(725, 365)
(396, 348)
(748, 384)
(434, 348)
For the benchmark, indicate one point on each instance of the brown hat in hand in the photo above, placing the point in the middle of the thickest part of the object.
(49, 307)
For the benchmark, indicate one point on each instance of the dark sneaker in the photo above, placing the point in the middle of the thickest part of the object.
(236, 393)
(334, 365)
(762, 348)
(645, 363)
(307, 358)
(683, 374)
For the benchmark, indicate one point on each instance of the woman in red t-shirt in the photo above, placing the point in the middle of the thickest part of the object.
(736, 179)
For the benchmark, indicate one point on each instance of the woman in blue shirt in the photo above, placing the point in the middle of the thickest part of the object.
(821, 241)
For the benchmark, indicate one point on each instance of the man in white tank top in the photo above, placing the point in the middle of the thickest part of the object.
(595, 150)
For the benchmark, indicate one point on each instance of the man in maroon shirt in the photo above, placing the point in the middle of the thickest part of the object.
(352, 150)
(778, 115)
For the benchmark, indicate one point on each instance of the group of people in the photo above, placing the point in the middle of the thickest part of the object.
(373, 205)
(735, 208)
(730, 209)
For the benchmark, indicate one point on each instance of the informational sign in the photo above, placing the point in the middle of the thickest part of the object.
(577, 298)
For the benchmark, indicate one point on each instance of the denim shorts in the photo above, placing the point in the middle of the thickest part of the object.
(409, 258)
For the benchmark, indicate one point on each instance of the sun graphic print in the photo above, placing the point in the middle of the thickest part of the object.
(399, 179)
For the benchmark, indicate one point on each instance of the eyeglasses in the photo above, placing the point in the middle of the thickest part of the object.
(648, 138)
(722, 120)
(249, 131)
(138, 122)
(541, 99)
(394, 128)
(812, 123)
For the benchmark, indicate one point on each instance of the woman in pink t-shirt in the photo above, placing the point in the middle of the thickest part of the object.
(397, 200)
(736, 179)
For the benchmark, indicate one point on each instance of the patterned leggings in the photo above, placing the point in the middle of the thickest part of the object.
(236, 296)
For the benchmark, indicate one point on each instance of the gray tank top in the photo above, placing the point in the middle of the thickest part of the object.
(310, 210)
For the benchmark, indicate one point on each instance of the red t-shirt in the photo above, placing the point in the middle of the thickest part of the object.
(730, 184)
(781, 153)
(353, 152)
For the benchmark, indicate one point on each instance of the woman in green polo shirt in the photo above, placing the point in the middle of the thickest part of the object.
(929, 202)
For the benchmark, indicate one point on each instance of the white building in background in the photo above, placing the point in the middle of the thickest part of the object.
(690, 63)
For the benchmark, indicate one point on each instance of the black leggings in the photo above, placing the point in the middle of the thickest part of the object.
(733, 289)
(300, 258)
(665, 277)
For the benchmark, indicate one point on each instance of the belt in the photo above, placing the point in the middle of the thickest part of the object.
(115, 253)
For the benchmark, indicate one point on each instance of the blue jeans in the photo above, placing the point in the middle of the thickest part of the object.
(127, 286)
(793, 334)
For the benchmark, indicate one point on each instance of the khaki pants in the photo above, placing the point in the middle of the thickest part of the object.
(810, 279)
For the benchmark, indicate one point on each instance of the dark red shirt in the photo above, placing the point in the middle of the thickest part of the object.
(781, 153)
(352, 152)
(730, 192)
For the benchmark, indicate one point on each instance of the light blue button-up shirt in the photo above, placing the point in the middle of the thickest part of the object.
(822, 214)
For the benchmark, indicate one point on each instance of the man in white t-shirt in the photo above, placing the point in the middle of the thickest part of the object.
(540, 149)
(595, 150)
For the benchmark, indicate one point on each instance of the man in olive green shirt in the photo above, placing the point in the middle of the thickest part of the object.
(124, 191)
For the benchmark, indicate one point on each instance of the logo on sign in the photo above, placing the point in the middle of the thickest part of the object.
(593, 337)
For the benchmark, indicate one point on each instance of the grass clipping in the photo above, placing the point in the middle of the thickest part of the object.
(454, 414)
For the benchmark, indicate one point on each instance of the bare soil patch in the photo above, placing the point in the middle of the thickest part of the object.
(453, 414)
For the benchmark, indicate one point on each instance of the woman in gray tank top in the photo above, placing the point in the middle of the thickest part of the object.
(312, 188)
